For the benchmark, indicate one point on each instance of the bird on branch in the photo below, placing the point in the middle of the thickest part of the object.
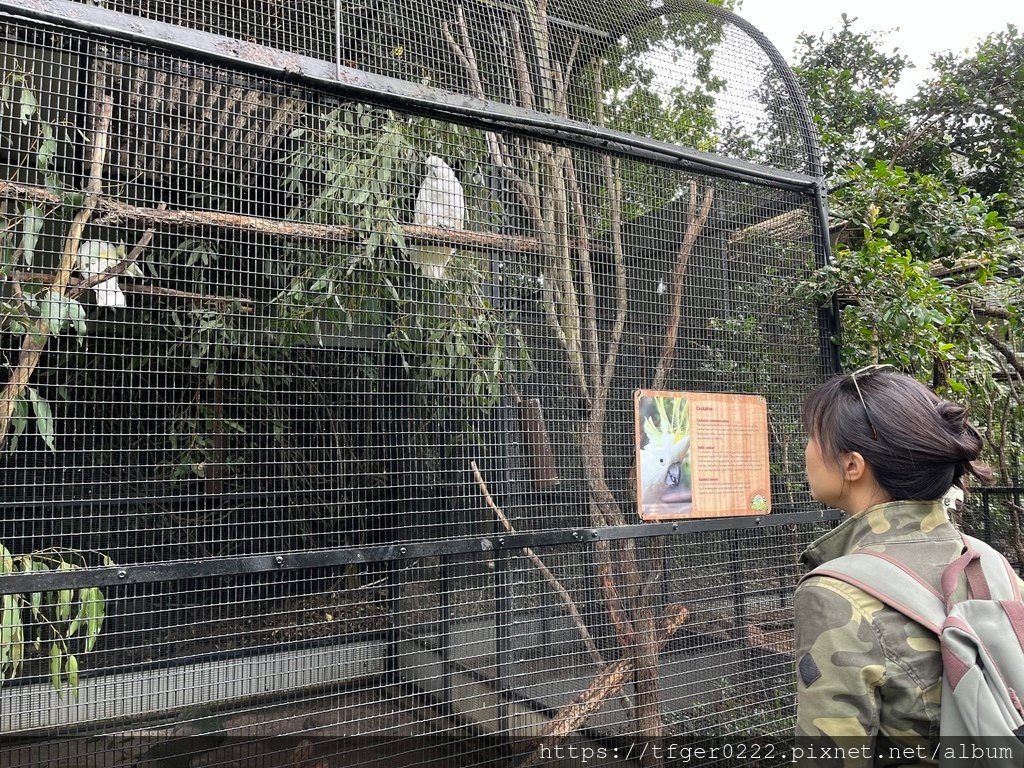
(440, 203)
(96, 257)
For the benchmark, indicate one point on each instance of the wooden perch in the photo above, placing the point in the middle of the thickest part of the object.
(116, 213)
(608, 683)
(79, 286)
(1008, 354)
(794, 223)
(244, 304)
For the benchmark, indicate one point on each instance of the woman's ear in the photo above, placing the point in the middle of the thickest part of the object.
(853, 466)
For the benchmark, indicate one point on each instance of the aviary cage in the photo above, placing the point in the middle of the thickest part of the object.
(321, 323)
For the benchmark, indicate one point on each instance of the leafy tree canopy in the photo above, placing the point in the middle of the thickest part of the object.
(926, 196)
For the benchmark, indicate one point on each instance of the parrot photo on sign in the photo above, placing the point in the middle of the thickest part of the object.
(94, 258)
(665, 456)
(440, 203)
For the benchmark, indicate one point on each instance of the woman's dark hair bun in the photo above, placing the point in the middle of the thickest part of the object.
(917, 443)
(962, 433)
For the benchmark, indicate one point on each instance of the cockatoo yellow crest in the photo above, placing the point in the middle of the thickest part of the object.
(667, 448)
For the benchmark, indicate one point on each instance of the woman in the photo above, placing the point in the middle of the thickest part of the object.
(884, 449)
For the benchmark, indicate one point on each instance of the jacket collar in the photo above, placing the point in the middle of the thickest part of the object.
(890, 522)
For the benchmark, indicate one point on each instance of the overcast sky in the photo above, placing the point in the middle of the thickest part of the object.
(919, 27)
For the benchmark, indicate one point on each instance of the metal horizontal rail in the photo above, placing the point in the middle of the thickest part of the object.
(394, 92)
(147, 573)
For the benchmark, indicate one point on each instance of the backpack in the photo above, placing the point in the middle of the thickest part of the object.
(981, 639)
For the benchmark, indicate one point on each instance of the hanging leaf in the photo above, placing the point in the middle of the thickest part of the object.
(32, 225)
(81, 616)
(55, 658)
(54, 310)
(77, 317)
(44, 420)
(29, 565)
(28, 105)
(71, 668)
(17, 640)
(95, 616)
(7, 610)
(47, 149)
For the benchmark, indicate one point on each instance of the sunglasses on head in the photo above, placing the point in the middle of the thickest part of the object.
(867, 370)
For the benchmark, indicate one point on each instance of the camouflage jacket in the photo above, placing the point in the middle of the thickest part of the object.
(866, 674)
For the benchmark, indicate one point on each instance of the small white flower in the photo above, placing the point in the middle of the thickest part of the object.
(662, 287)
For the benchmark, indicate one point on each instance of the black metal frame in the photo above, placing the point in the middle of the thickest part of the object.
(353, 83)
(392, 553)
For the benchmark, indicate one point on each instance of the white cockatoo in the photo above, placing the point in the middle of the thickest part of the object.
(94, 258)
(439, 203)
(667, 449)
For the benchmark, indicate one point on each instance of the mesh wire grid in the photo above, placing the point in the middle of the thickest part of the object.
(707, 84)
(283, 359)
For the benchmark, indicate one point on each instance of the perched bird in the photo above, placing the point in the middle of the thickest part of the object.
(94, 258)
(661, 469)
(439, 203)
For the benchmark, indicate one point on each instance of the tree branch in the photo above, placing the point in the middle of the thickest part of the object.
(571, 717)
(539, 564)
(695, 222)
(1005, 350)
(34, 341)
(116, 212)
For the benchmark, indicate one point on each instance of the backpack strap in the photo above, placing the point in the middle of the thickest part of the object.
(890, 582)
(989, 575)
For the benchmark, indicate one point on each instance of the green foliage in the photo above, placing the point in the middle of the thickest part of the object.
(928, 266)
(57, 626)
(849, 84)
(897, 272)
(359, 167)
(973, 112)
(349, 166)
(640, 98)
(32, 308)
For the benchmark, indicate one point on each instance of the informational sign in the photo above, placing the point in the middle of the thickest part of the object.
(701, 455)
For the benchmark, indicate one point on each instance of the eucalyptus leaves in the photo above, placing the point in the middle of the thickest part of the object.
(359, 167)
(58, 625)
(32, 308)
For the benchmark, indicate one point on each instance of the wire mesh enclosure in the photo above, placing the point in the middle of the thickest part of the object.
(321, 325)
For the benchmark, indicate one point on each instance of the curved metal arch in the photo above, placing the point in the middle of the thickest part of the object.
(793, 89)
